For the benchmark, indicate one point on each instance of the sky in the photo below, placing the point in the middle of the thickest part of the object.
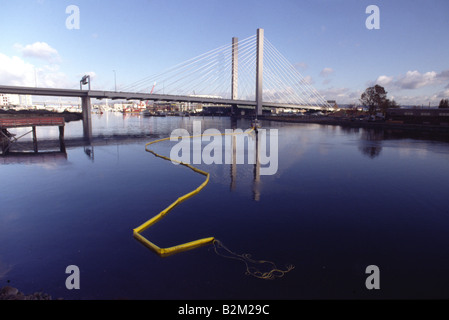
(327, 41)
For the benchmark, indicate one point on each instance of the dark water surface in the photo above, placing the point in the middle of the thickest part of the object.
(341, 200)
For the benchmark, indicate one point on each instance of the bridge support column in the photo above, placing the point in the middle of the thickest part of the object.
(259, 72)
(34, 139)
(87, 117)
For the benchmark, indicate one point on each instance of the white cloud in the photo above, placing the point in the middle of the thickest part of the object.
(341, 95)
(300, 66)
(413, 79)
(16, 72)
(39, 50)
(92, 74)
(326, 72)
(308, 80)
(384, 80)
(443, 94)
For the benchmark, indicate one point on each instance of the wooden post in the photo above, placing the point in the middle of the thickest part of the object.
(34, 139)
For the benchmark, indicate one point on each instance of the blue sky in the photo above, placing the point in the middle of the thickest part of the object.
(326, 40)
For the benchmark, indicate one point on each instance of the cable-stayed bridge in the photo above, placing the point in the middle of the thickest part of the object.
(250, 72)
(243, 71)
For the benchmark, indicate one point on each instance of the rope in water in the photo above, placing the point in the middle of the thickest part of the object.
(253, 266)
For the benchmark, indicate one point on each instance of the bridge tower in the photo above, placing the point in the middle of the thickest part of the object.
(259, 72)
(235, 68)
(235, 73)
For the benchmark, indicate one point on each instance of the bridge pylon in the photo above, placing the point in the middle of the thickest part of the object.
(259, 72)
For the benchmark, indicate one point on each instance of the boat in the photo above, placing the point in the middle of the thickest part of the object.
(148, 113)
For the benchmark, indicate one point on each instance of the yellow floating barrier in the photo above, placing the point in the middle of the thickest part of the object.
(164, 252)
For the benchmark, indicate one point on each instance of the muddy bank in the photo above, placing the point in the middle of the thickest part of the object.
(68, 116)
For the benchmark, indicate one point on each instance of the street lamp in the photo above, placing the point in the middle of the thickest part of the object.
(85, 80)
(115, 80)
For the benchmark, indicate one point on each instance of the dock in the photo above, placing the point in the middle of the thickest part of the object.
(7, 139)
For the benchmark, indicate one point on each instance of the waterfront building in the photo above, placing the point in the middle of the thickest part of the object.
(15, 100)
(434, 116)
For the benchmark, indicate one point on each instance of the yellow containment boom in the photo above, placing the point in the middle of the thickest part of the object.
(164, 252)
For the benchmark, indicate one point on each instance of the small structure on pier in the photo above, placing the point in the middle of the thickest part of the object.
(8, 139)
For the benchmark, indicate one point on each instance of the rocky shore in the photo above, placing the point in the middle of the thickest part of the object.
(10, 293)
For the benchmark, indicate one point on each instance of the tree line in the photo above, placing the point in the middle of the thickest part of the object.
(444, 103)
(375, 98)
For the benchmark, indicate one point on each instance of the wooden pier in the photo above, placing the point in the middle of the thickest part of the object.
(33, 122)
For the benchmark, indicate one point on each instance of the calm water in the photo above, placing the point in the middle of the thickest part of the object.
(342, 199)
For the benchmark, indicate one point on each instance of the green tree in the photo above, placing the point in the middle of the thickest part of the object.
(375, 98)
(444, 103)
(388, 104)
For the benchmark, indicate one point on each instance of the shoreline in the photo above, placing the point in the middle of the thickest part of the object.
(324, 120)
(361, 124)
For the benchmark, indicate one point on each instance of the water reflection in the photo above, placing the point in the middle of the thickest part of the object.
(321, 212)
(89, 151)
(47, 158)
(254, 140)
(371, 142)
(256, 180)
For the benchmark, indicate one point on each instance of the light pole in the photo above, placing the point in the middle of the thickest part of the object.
(85, 80)
(115, 80)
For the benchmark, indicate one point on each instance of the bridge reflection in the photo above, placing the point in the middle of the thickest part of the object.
(256, 168)
(19, 155)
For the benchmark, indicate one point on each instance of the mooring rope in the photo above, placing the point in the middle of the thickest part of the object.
(253, 266)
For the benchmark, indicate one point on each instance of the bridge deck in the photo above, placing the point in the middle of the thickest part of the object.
(98, 94)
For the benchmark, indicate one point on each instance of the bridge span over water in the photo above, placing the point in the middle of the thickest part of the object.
(118, 95)
(261, 78)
